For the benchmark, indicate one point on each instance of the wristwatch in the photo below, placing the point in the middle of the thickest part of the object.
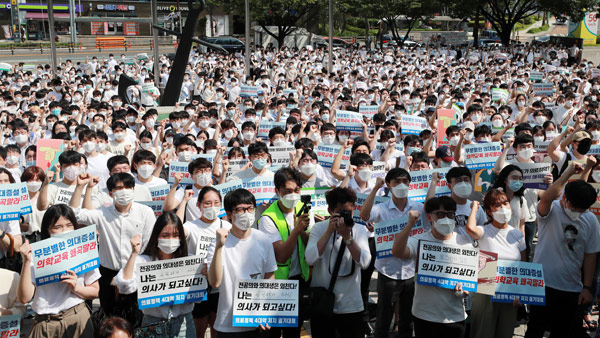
(349, 241)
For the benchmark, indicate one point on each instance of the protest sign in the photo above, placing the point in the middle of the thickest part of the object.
(378, 170)
(10, 326)
(486, 278)
(225, 188)
(265, 126)
(280, 156)
(398, 146)
(248, 91)
(595, 208)
(386, 232)
(445, 120)
(156, 206)
(413, 125)
(317, 199)
(419, 184)
(263, 189)
(265, 301)
(348, 120)
(47, 153)
(444, 265)
(523, 280)
(368, 111)
(141, 56)
(482, 155)
(594, 150)
(327, 153)
(595, 72)
(541, 147)
(533, 174)
(14, 201)
(160, 192)
(536, 76)
(177, 167)
(76, 251)
(236, 166)
(500, 95)
(543, 89)
(360, 200)
(171, 282)
(5, 67)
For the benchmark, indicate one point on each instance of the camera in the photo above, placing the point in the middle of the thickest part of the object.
(347, 216)
(306, 207)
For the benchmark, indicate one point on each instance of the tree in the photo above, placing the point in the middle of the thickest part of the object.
(392, 13)
(286, 15)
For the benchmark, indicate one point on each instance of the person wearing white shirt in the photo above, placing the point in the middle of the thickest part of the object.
(120, 164)
(116, 224)
(60, 309)
(167, 241)
(120, 145)
(324, 243)
(8, 227)
(437, 312)
(238, 253)
(144, 163)
(96, 160)
(201, 171)
(395, 281)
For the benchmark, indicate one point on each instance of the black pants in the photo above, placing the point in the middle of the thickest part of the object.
(560, 316)
(290, 332)
(427, 329)
(246, 334)
(391, 291)
(125, 306)
(365, 279)
(530, 229)
(349, 325)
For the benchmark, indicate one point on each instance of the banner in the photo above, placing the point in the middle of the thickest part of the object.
(160, 192)
(486, 278)
(500, 95)
(541, 147)
(47, 153)
(76, 251)
(176, 167)
(280, 156)
(348, 120)
(248, 91)
(386, 232)
(10, 326)
(171, 282)
(444, 265)
(482, 155)
(536, 76)
(263, 189)
(265, 126)
(368, 111)
(14, 201)
(543, 89)
(445, 120)
(265, 301)
(533, 174)
(413, 125)
(523, 280)
(419, 184)
(327, 153)
(235, 166)
(225, 188)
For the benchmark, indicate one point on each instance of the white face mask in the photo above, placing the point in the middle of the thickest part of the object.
(203, 179)
(289, 201)
(596, 176)
(278, 142)
(502, 215)
(573, 215)
(22, 138)
(329, 139)
(400, 190)
(89, 146)
(497, 123)
(248, 135)
(185, 156)
(445, 226)
(454, 140)
(145, 171)
(595, 135)
(469, 135)
(538, 139)
(123, 197)
(61, 233)
(150, 123)
(211, 213)
(308, 169)
(71, 173)
(119, 136)
(540, 119)
(244, 220)
(343, 138)
(463, 189)
(168, 245)
(204, 124)
(228, 133)
(100, 147)
(365, 174)
(315, 137)
(34, 186)
(12, 159)
(526, 153)
(146, 145)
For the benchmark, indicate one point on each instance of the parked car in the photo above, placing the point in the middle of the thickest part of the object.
(229, 43)
(388, 41)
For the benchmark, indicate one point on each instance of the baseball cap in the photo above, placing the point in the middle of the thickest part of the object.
(581, 135)
(444, 153)
(469, 125)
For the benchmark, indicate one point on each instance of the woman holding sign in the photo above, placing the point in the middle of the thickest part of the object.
(167, 241)
(490, 319)
(60, 309)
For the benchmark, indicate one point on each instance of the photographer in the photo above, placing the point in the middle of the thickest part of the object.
(325, 240)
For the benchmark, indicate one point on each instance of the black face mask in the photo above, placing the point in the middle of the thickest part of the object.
(584, 146)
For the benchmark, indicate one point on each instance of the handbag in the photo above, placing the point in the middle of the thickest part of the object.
(155, 330)
(318, 301)
(12, 260)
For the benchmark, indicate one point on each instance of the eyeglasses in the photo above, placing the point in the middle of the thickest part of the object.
(444, 214)
(243, 210)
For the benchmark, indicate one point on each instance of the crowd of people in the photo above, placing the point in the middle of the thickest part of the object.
(118, 148)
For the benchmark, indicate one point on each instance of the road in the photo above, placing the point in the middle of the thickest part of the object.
(35, 56)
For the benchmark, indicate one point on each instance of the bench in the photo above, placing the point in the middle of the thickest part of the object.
(111, 42)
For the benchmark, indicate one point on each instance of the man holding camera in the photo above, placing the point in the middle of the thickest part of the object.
(286, 222)
(326, 240)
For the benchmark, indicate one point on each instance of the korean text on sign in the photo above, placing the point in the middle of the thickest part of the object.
(176, 167)
(420, 180)
(534, 173)
(170, 282)
(523, 280)
(445, 265)
(76, 251)
(10, 326)
(386, 232)
(14, 201)
(413, 124)
(482, 155)
(263, 189)
(348, 120)
(265, 301)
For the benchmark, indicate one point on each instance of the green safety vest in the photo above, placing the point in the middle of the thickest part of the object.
(283, 269)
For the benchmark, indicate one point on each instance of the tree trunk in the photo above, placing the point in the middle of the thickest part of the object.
(411, 24)
(476, 29)
(343, 24)
(367, 27)
(505, 34)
